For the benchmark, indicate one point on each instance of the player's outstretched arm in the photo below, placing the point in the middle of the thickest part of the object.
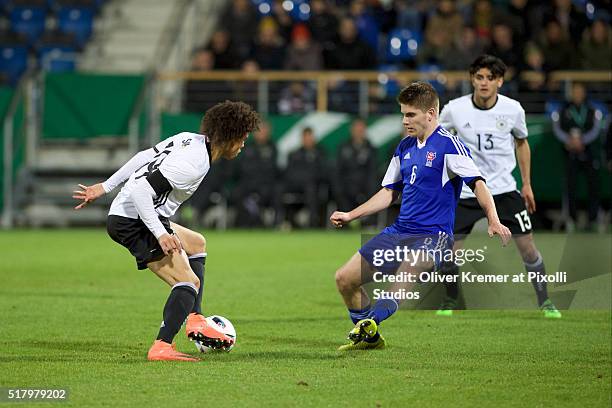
(523, 154)
(379, 201)
(88, 194)
(485, 199)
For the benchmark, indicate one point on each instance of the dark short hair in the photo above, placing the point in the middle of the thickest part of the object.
(307, 129)
(227, 122)
(420, 95)
(493, 64)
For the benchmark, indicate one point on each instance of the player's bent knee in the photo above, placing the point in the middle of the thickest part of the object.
(199, 243)
(344, 281)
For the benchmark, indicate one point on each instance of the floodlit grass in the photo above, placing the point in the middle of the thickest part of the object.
(77, 314)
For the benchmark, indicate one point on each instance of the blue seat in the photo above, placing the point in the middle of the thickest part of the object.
(299, 10)
(57, 58)
(368, 29)
(552, 106)
(263, 7)
(13, 61)
(28, 21)
(402, 45)
(440, 87)
(77, 21)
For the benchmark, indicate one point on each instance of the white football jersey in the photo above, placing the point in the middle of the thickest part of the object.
(489, 134)
(183, 160)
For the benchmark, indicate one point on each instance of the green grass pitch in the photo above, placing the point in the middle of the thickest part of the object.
(76, 314)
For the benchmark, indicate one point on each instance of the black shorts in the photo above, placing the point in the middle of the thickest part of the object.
(510, 208)
(137, 238)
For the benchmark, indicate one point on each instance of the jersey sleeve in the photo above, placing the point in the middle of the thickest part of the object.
(446, 119)
(519, 130)
(124, 173)
(393, 176)
(458, 162)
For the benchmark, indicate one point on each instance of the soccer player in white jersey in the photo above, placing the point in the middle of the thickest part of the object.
(428, 169)
(157, 182)
(493, 127)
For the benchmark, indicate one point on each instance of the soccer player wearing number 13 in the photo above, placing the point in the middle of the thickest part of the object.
(493, 127)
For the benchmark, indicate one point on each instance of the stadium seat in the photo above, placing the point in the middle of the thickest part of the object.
(368, 29)
(77, 21)
(402, 45)
(440, 87)
(552, 106)
(263, 7)
(28, 21)
(299, 10)
(13, 62)
(57, 58)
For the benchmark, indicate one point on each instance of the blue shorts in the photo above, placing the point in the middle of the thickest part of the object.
(386, 251)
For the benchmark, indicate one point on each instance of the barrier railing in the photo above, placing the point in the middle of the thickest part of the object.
(366, 83)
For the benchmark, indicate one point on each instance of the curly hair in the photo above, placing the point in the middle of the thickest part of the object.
(226, 123)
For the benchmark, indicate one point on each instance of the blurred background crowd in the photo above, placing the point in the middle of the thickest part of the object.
(428, 36)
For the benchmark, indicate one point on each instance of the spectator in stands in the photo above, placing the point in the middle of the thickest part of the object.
(356, 176)
(438, 50)
(465, 50)
(349, 52)
(504, 47)
(241, 22)
(578, 126)
(595, 47)
(202, 95)
(303, 54)
(269, 49)
(283, 19)
(322, 23)
(305, 180)
(257, 175)
(558, 51)
(297, 97)
(212, 193)
(446, 20)
(365, 21)
(247, 91)
(534, 61)
(482, 19)
(221, 49)
(571, 20)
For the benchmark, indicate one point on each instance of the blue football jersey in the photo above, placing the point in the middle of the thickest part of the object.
(430, 177)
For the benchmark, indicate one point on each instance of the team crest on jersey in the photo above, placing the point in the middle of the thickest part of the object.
(430, 157)
(501, 123)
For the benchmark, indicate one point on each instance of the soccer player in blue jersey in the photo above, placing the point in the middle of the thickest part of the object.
(428, 169)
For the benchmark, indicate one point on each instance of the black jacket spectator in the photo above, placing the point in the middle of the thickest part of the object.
(349, 52)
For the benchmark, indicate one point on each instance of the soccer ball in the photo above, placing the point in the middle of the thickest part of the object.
(226, 326)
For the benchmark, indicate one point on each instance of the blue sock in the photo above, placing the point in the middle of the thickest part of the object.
(383, 309)
(359, 314)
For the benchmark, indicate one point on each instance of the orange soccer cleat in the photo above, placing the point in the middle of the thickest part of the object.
(210, 335)
(162, 351)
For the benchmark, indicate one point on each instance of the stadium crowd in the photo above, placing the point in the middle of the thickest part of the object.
(541, 36)
(527, 35)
